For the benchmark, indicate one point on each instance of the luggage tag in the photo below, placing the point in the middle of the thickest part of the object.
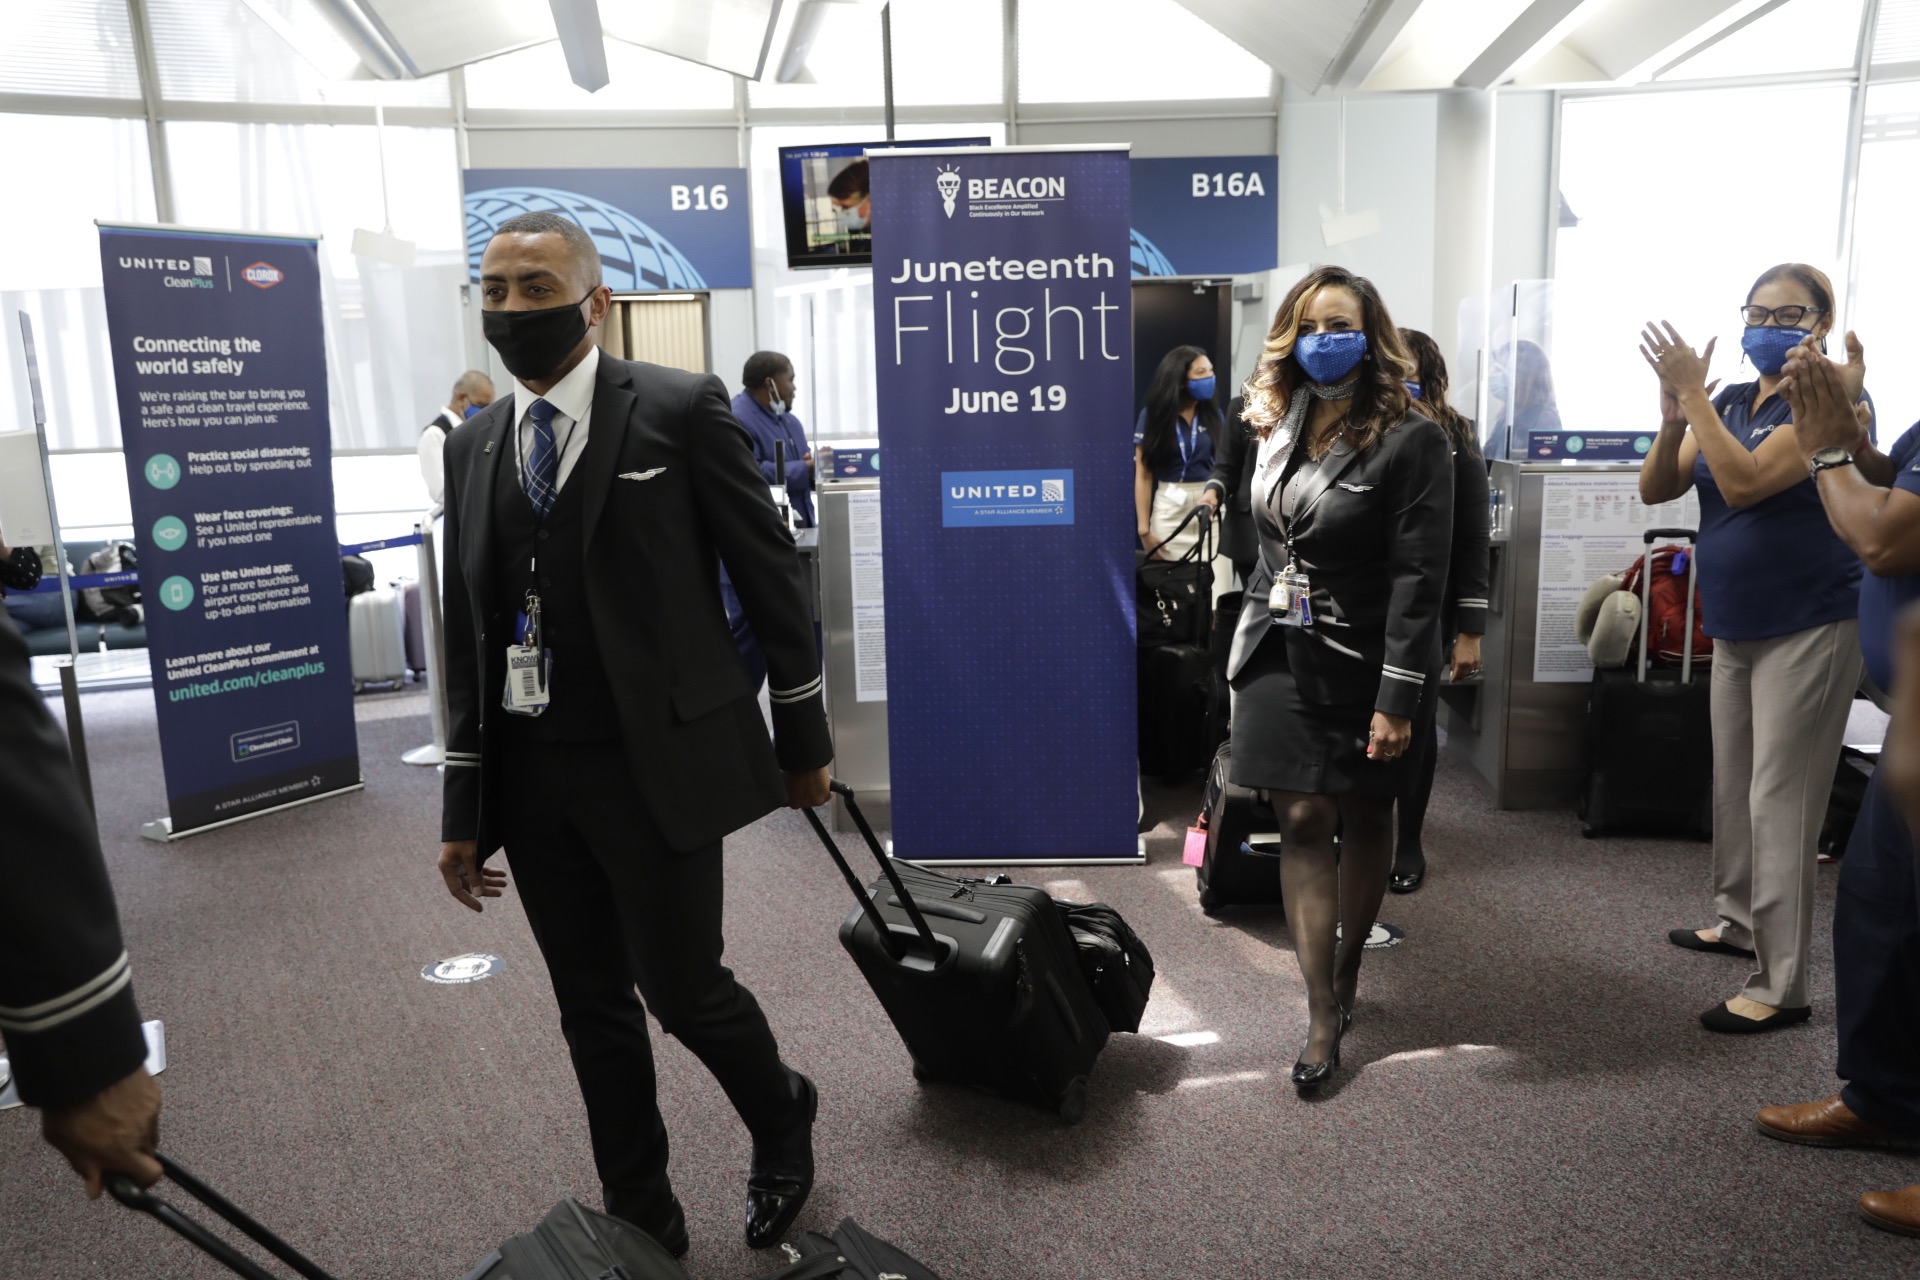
(1290, 604)
(1194, 854)
(529, 667)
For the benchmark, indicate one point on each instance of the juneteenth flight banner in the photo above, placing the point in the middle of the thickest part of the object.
(1003, 332)
(221, 374)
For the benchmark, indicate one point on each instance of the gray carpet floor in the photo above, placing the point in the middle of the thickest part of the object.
(1527, 1092)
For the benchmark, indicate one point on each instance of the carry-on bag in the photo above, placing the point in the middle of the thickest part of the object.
(1650, 735)
(376, 640)
(1175, 667)
(1172, 597)
(1115, 963)
(571, 1243)
(1241, 866)
(850, 1253)
(992, 997)
(414, 624)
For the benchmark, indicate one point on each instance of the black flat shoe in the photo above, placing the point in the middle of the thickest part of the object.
(667, 1226)
(782, 1179)
(1310, 1076)
(1407, 881)
(1692, 941)
(1722, 1019)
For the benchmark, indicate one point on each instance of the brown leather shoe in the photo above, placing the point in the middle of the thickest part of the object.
(1829, 1123)
(1896, 1211)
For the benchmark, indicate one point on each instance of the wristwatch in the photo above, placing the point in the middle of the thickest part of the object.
(1825, 459)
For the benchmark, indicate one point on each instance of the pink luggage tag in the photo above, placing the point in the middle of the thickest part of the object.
(1195, 852)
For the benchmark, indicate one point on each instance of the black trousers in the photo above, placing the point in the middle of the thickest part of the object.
(614, 909)
(1876, 967)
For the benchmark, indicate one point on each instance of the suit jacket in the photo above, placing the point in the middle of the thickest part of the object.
(1373, 537)
(66, 993)
(1234, 478)
(671, 491)
(1465, 607)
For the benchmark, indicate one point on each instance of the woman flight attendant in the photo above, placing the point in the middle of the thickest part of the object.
(1173, 452)
(1778, 595)
(1353, 502)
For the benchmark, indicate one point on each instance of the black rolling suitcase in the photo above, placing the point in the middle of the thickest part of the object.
(1241, 866)
(988, 993)
(1650, 736)
(571, 1243)
(1175, 604)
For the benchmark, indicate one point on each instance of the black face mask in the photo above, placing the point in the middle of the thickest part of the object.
(532, 344)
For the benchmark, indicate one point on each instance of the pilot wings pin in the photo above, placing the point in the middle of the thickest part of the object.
(641, 475)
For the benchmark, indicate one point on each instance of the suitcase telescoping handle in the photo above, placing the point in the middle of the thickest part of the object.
(127, 1193)
(907, 903)
(1650, 536)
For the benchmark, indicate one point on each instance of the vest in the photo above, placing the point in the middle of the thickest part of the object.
(583, 708)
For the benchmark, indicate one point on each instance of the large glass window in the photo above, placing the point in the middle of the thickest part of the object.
(1684, 244)
(638, 79)
(82, 47)
(226, 51)
(945, 53)
(1801, 35)
(1136, 51)
(1884, 312)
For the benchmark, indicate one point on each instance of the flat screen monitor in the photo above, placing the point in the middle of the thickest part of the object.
(824, 199)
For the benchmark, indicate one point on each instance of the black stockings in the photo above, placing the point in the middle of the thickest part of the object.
(1323, 887)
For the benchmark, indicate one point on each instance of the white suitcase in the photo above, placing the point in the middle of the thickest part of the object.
(376, 633)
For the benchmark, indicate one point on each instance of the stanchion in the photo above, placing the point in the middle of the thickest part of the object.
(435, 752)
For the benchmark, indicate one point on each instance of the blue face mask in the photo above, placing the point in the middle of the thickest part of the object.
(1767, 346)
(1413, 389)
(472, 409)
(1201, 388)
(1330, 357)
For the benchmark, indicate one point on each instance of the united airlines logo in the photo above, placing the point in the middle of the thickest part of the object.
(979, 499)
(179, 273)
(947, 182)
(262, 275)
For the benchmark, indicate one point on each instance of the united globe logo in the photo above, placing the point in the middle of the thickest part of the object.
(633, 256)
(1146, 257)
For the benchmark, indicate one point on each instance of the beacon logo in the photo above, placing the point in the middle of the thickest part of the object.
(262, 275)
(947, 182)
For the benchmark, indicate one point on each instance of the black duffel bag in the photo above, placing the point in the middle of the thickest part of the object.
(1173, 597)
(1116, 963)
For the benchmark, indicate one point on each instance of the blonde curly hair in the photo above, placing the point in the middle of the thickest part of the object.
(1381, 399)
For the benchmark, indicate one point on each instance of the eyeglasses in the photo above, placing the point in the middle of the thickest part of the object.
(1788, 317)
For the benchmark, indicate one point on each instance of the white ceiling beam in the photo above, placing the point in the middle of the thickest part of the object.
(1370, 42)
(1300, 39)
(1540, 26)
(1628, 34)
(578, 25)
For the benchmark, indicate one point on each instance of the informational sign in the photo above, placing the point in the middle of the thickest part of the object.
(1205, 216)
(658, 229)
(1590, 526)
(460, 971)
(869, 596)
(220, 369)
(1002, 317)
(1588, 446)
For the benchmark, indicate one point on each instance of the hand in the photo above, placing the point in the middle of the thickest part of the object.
(1671, 414)
(115, 1131)
(1678, 367)
(1854, 372)
(1388, 737)
(808, 788)
(1466, 657)
(466, 880)
(1210, 499)
(1823, 415)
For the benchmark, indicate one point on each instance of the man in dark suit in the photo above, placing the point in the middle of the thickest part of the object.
(588, 515)
(66, 989)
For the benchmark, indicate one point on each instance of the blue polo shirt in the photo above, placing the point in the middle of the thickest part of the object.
(767, 428)
(1881, 599)
(1775, 567)
(1190, 461)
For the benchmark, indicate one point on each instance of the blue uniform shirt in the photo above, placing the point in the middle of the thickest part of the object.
(1777, 566)
(1191, 458)
(766, 429)
(1881, 599)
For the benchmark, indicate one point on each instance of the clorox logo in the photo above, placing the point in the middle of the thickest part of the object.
(262, 275)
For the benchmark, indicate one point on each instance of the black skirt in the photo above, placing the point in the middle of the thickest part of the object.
(1282, 742)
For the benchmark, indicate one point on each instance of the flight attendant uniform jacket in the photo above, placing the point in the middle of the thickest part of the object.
(1373, 536)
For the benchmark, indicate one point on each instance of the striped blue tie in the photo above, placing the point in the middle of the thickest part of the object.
(541, 478)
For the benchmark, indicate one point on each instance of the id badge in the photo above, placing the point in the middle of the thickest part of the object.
(1291, 602)
(527, 672)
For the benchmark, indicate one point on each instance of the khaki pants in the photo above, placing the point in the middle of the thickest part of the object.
(1171, 504)
(1779, 713)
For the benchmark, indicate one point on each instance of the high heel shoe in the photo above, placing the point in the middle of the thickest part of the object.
(1310, 1076)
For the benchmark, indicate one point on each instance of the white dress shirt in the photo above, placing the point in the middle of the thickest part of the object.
(432, 450)
(572, 400)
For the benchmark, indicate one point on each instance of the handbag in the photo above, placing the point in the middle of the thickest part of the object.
(1173, 597)
(1116, 963)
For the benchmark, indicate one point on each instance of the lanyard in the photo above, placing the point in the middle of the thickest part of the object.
(1186, 443)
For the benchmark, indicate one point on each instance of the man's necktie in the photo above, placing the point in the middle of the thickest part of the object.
(541, 477)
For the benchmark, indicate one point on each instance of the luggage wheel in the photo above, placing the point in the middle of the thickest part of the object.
(1073, 1104)
(921, 1074)
(1210, 902)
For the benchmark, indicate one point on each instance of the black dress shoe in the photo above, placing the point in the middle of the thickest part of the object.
(1409, 878)
(782, 1175)
(1308, 1076)
(1692, 941)
(667, 1226)
(1722, 1019)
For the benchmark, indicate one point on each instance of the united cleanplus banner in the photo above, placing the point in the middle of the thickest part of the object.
(221, 375)
(1003, 332)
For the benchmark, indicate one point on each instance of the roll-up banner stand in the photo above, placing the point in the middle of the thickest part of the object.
(1002, 319)
(220, 369)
